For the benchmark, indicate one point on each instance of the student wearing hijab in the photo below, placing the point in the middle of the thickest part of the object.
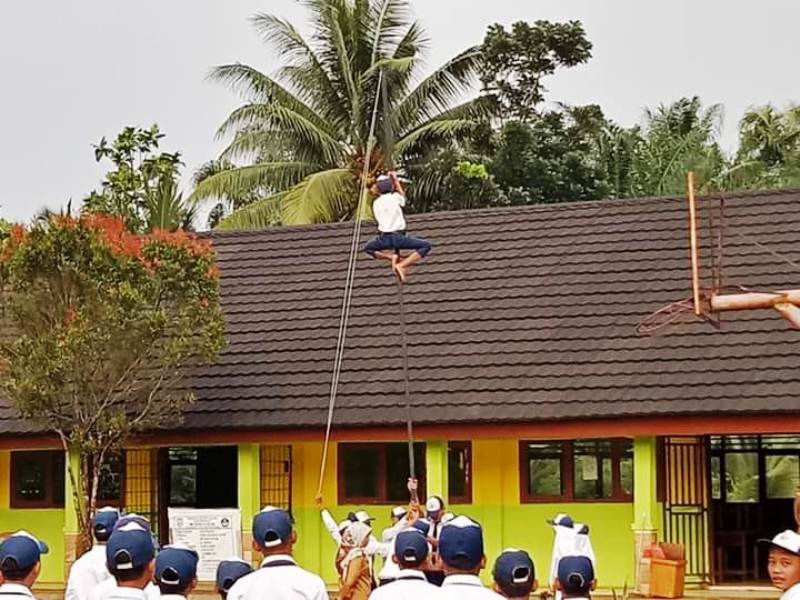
(355, 582)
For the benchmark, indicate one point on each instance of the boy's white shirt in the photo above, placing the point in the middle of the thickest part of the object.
(388, 212)
(793, 593)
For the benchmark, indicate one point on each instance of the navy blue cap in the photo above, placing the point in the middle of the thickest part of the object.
(562, 520)
(576, 574)
(272, 527)
(104, 520)
(461, 543)
(410, 548)
(422, 525)
(133, 518)
(129, 547)
(231, 571)
(20, 551)
(176, 566)
(514, 573)
(385, 184)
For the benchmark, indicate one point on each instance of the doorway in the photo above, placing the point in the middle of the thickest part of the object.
(197, 477)
(753, 484)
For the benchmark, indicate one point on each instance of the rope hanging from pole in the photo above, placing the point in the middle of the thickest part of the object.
(407, 391)
(348, 287)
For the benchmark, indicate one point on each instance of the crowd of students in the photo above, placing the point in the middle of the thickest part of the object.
(432, 555)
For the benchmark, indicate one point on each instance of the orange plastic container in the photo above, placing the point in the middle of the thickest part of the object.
(667, 574)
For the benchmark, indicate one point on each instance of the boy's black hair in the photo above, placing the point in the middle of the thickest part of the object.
(11, 571)
(102, 537)
(515, 590)
(176, 590)
(123, 576)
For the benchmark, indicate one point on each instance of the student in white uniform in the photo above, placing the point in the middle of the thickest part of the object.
(583, 543)
(229, 572)
(437, 517)
(784, 563)
(576, 579)
(388, 212)
(411, 556)
(514, 575)
(564, 544)
(279, 578)
(461, 553)
(20, 565)
(104, 589)
(90, 569)
(176, 572)
(130, 555)
(400, 521)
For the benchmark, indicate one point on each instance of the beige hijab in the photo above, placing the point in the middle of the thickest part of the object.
(355, 538)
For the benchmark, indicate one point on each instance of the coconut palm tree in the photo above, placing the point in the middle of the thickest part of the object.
(301, 138)
(677, 138)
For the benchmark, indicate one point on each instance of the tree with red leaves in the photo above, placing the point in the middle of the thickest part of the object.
(99, 328)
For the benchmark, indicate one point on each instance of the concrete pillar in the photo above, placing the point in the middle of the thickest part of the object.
(436, 468)
(645, 506)
(249, 492)
(71, 525)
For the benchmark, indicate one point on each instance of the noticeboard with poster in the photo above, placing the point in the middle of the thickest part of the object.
(214, 533)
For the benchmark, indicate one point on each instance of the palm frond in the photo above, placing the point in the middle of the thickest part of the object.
(323, 197)
(292, 124)
(258, 88)
(437, 92)
(259, 215)
(303, 69)
(246, 180)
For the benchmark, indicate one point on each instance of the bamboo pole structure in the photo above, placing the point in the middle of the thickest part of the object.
(693, 251)
(786, 302)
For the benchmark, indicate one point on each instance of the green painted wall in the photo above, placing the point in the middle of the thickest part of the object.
(47, 524)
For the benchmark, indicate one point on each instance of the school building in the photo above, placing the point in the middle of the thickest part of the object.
(532, 391)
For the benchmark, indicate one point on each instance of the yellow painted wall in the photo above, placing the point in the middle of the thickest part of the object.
(47, 524)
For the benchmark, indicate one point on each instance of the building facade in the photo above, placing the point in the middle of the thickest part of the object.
(532, 393)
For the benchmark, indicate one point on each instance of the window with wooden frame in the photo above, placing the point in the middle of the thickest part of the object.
(459, 472)
(111, 487)
(576, 471)
(37, 479)
(372, 473)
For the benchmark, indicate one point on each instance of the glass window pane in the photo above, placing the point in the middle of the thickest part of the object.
(783, 476)
(716, 477)
(626, 475)
(59, 478)
(588, 476)
(361, 472)
(183, 485)
(458, 469)
(30, 476)
(110, 484)
(783, 442)
(741, 477)
(544, 470)
(397, 470)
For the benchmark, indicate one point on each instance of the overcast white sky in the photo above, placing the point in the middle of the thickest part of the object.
(76, 70)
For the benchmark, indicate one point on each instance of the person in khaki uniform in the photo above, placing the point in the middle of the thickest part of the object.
(355, 582)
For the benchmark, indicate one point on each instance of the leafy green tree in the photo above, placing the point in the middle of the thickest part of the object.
(142, 186)
(457, 181)
(301, 137)
(515, 62)
(547, 160)
(100, 327)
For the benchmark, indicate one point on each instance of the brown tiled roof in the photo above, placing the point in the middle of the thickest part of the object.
(519, 314)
